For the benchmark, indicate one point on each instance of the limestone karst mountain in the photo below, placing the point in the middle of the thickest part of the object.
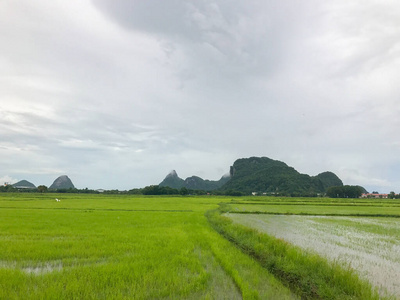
(62, 182)
(173, 180)
(265, 175)
(24, 184)
(261, 175)
(194, 182)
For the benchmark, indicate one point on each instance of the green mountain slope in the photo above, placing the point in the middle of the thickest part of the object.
(194, 182)
(62, 182)
(265, 175)
(329, 179)
(24, 184)
(197, 183)
(261, 175)
(173, 181)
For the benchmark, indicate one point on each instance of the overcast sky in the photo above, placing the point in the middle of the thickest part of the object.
(117, 93)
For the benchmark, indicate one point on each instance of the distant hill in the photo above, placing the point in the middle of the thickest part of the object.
(329, 179)
(173, 181)
(194, 182)
(62, 182)
(24, 184)
(261, 175)
(363, 190)
(197, 183)
(265, 175)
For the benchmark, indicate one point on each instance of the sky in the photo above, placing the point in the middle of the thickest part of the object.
(117, 93)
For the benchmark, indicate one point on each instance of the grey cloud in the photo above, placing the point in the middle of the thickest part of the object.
(118, 93)
(226, 37)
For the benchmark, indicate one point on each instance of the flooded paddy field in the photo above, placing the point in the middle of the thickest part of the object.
(369, 245)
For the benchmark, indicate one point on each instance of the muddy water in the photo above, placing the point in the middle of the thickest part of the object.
(374, 255)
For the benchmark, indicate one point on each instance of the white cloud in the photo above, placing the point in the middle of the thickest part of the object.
(7, 179)
(118, 93)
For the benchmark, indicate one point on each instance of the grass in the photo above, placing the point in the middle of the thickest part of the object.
(317, 206)
(358, 233)
(309, 275)
(316, 200)
(122, 247)
(170, 247)
(367, 245)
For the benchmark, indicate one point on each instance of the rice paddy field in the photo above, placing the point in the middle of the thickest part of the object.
(361, 234)
(121, 247)
(144, 247)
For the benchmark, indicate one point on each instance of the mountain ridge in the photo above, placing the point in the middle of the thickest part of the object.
(24, 184)
(62, 182)
(193, 182)
(265, 175)
(260, 175)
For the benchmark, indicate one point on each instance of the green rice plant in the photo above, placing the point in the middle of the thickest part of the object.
(316, 200)
(122, 247)
(308, 275)
(368, 245)
(312, 209)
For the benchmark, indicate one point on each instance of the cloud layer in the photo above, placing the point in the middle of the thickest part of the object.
(118, 93)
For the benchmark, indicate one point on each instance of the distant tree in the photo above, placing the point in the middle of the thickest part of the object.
(392, 195)
(183, 191)
(233, 193)
(159, 190)
(197, 192)
(135, 191)
(7, 188)
(346, 191)
(42, 188)
(112, 192)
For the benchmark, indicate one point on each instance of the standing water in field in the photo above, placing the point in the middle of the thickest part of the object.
(369, 245)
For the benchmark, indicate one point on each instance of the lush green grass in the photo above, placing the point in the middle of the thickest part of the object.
(359, 229)
(311, 276)
(316, 201)
(366, 244)
(122, 247)
(317, 210)
(317, 206)
(107, 202)
(143, 247)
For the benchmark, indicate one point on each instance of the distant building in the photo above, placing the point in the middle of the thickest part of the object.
(374, 195)
(22, 187)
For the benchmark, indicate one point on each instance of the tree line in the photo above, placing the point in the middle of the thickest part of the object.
(346, 191)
